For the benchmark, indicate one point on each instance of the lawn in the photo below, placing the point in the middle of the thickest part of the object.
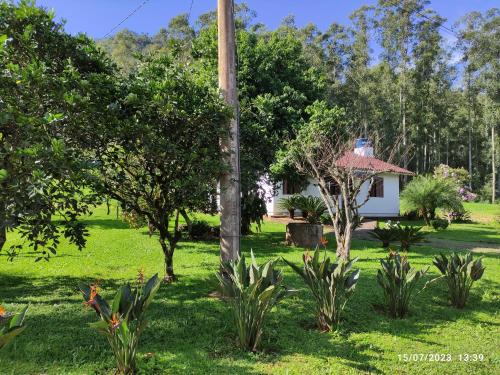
(190, 332)
(485, 226)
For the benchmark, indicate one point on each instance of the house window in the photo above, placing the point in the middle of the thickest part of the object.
(377, 189)
(289, 188)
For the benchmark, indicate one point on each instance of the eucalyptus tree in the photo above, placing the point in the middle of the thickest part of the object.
(357, 79)
(54, 88)
(479, 42)
(396, 23)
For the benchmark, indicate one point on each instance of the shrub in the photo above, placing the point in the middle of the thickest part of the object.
(326, 220)
(312, 208)
(252, 292)
(398, 281)
(462, 216)
(332, 285)
(200, 230)
(427, 193)
(386, 234)
(460, 273)
(290, 204)
(408, 235)
(11, 325)
(122, 323)
(439, 224)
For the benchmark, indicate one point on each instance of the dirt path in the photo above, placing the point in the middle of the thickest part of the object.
(362, 233)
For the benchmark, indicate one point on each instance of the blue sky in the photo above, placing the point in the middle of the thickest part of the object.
(97, 17)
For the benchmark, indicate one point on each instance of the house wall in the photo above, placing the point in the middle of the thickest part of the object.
(388, 206)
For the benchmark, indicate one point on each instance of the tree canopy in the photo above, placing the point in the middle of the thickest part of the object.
(53, 89)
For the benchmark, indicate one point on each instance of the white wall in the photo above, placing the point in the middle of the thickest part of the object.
(388, 206)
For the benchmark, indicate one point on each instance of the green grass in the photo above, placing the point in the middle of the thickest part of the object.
(485, 227)
(191, 333)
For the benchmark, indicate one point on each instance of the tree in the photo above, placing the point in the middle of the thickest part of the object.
(479, 43)
(428, 193)
(323, 151)
(275, 84)
(163, 157)
(357, 80)
(53, 88)
(397, 32)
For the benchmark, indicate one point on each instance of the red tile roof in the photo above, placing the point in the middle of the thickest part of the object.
(352, 160)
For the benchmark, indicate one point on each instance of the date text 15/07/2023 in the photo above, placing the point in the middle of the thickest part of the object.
(441, 357)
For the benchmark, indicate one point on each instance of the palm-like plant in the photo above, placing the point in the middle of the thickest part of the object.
(427, 193)
(460, 273)
(11, 325)
(252, 292)
(312, 208)
(122, 323)
(332, 285)
(409, 235)
(398, 281)
(386, 235)
(290, 204)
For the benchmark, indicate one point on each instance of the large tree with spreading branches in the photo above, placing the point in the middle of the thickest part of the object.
(54, 87)
(163, 157)
(323, 150)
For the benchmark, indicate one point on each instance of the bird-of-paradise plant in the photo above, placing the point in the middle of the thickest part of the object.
(123, 322)
(11, 325)
(332, 285)
(460, 273)
(252, 292)
(398, 280)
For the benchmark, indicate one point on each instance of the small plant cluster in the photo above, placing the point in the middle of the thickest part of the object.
(331, 284)
(11, 325)
(398, 280)
(122, 322)
(312, 208)
(467, 195)
(439, 224)
(254, 290)
(200, 230)
(460, 273)
(461, 216)
(406, 235)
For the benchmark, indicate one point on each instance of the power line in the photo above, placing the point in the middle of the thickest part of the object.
(126, 18)
(450, 31)
(190, 10)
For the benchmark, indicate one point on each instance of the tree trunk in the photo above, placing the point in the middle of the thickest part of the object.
(187, 219)
(343, 239)
(168, 253)
(3, 236)
(3, 229)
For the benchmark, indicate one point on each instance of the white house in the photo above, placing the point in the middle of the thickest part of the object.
(384, 193)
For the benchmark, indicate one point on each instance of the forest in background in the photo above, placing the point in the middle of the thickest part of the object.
(396, 69)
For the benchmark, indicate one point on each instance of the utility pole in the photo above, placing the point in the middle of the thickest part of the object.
(230, 144)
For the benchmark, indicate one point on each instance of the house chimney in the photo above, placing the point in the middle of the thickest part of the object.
(363, 147)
